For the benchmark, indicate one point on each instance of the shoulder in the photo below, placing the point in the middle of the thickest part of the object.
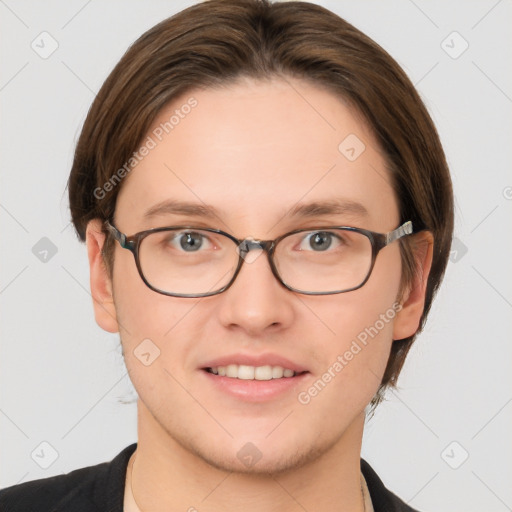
(383, 499)
(89, 489)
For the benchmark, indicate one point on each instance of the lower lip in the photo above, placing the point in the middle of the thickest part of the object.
(256, 390)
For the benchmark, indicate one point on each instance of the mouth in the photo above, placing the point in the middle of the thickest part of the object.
(254, 379)
(246, 372)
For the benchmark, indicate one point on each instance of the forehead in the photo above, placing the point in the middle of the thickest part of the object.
(255, 151)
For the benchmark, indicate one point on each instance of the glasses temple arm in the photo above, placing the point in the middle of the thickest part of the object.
(120, 237)
(404, 229)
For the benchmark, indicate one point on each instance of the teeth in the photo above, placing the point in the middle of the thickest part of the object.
(277, 372)
(263, 373)
(245, 372)
(232, 370)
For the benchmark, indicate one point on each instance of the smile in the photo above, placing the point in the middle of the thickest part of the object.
(245, 372)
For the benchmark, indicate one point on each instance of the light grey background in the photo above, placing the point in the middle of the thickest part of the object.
(62, 378)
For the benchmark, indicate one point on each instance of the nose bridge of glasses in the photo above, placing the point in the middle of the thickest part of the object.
(250, 244)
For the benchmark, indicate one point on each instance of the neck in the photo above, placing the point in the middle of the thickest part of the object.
(164, 475)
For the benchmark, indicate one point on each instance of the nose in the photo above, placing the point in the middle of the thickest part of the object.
(256, 302)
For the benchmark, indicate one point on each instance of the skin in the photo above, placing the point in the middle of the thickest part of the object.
(252, 151)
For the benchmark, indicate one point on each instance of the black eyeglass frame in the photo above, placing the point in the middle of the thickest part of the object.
(377, 240)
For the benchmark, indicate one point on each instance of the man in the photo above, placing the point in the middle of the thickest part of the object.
(267, 211)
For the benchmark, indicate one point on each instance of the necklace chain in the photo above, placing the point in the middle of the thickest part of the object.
(140, 509)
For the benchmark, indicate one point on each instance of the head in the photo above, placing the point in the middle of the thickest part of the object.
(247, 107)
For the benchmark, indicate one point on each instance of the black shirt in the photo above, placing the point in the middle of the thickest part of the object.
(101, 488)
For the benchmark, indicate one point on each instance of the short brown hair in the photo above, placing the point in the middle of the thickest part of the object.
(218, 41)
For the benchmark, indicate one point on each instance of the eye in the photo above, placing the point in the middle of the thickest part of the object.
(190, 241)
(320, 241)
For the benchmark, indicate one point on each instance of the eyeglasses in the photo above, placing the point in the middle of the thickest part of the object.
(186, 261)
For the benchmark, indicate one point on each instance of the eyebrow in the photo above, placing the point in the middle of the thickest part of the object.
(170, 206)
(330, 207)
(307, 210)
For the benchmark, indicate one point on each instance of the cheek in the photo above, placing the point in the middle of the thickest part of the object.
(149, 322)
(353, 363)
(357, 334)
(142, 311)
(346, 315)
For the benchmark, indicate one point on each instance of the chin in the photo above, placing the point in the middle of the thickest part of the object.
(254, 461)
(259, 457)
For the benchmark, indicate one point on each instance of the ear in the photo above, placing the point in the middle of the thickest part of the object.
(413, 301)
(101, 285)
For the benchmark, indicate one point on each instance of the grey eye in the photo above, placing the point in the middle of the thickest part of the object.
(319, 241)
(190, 242)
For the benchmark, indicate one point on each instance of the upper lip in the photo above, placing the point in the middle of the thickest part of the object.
(255, 360)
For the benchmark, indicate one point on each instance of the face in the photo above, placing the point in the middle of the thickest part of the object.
(253, 152)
